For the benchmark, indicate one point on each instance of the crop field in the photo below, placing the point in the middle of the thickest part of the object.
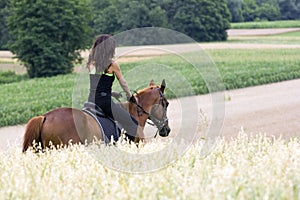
(289, 38)
(24, 99)
(247, 167)
(266, 24)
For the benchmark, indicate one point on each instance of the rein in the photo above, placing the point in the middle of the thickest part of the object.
(139, 106)
(159, 123)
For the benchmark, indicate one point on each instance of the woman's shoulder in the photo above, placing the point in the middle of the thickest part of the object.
(115, 66)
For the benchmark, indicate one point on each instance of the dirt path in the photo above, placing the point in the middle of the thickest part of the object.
(11, 136)
(273, 109)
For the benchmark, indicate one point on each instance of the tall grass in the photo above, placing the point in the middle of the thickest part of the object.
(243, 168)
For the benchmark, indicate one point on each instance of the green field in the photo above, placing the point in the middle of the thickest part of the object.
(266, 24)
(238, 68)
(21, 99)
(290, 38)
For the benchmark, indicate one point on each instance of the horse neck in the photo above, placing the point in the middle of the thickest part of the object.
(129, 107)
(125, 105)
(144, 101)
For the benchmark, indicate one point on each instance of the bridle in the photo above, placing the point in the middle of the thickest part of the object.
(158, 123)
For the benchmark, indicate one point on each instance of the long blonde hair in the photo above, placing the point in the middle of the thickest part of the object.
(102, 53)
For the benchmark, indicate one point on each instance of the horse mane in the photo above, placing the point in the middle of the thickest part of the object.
(142, 91)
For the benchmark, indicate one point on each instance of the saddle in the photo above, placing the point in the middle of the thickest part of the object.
(109, 127)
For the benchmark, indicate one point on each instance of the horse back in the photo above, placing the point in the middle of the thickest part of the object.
(69, 125)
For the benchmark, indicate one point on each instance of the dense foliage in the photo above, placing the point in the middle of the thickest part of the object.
(48, 34)
(4, 33)
(203, 20)
(256, 10)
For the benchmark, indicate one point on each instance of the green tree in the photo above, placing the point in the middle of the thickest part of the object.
(144, 13)
(4, 33)
(290, 9)
(115, 16)
(249, 10)
(105, 17)
(203, 20)
(48, 34)
(269, 12)
(235, 8)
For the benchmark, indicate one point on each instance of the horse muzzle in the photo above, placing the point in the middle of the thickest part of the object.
(164, 131)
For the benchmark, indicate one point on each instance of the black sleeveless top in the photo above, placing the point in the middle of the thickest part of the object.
(100, 86)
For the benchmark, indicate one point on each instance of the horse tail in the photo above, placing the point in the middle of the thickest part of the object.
(33, 132)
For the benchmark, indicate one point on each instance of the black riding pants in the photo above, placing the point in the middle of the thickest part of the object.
(119, 114)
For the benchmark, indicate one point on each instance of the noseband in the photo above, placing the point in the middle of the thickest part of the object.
(158, 123)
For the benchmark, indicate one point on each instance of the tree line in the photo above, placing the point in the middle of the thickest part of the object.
(258, 10)
(46, 35)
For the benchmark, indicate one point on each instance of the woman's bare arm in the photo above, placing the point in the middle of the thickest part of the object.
(117, 70)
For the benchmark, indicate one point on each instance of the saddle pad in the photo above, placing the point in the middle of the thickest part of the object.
(107, 126)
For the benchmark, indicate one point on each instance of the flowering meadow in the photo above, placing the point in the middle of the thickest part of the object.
(246, 167)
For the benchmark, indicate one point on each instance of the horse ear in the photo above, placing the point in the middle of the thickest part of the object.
(152, 83)
(163, 85)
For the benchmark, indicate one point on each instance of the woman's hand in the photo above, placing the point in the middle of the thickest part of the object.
(132, 99)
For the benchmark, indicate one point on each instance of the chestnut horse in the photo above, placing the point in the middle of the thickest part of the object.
(63, 126)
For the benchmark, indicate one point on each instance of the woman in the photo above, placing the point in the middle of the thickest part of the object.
(103, 70)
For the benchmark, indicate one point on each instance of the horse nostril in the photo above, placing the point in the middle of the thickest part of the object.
(164, 132)
(168, 130)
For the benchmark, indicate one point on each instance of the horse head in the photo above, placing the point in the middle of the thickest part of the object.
(152, 103)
